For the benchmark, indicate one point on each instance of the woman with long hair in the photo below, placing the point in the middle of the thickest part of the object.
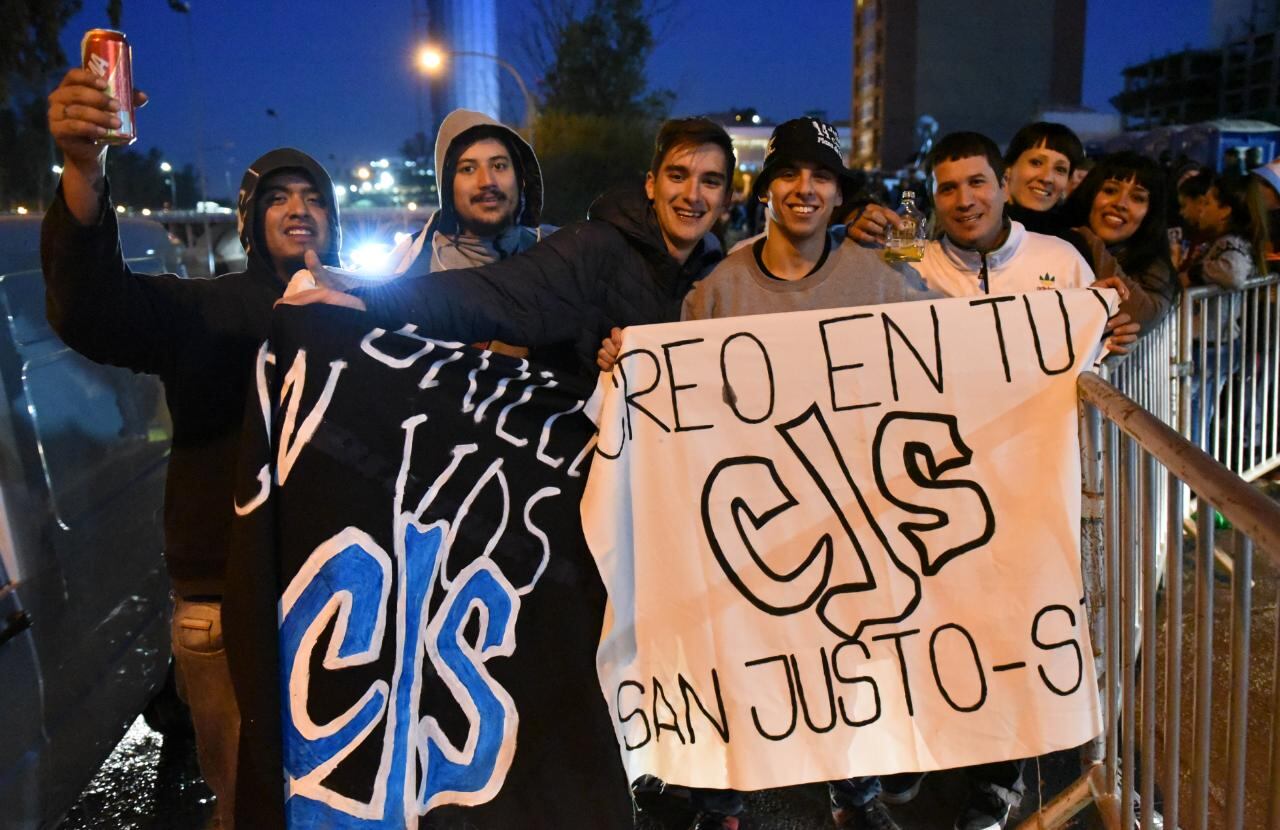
(1121, 202)
(1236, 252)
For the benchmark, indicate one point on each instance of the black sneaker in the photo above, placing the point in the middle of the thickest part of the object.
(900, 788)
(985, 811)
(870, 816)
(716, 821)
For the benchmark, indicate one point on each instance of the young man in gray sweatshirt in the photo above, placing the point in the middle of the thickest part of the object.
(797, 266)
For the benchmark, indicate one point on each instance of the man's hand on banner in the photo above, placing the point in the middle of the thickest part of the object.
(870, 229)
(320, 277)
(609, 348)
(327, 296)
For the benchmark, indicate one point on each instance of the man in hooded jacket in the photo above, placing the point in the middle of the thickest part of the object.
(490, 202)
(490, 195)
(201, 337)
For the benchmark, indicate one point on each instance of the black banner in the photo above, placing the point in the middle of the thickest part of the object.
(413, 613)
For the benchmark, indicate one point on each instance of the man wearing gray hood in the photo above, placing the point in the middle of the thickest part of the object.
(201, 337)
(490, 188)
(490, 193)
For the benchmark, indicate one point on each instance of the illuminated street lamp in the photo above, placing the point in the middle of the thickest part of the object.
(432, 59)
(167, 169)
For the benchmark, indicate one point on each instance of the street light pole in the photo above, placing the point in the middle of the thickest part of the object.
(431, 59)
(167, 169)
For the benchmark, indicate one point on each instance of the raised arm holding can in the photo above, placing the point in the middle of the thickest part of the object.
(85, 116)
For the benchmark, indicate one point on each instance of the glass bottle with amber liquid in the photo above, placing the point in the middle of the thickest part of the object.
(905, 243)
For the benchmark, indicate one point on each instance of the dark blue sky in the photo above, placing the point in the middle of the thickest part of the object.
(339, 74)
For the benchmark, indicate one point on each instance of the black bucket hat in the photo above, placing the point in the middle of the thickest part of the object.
(811, 140)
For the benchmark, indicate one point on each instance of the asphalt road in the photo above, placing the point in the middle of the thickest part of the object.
(148, 783)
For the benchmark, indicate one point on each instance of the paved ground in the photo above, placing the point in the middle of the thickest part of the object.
(148, 783)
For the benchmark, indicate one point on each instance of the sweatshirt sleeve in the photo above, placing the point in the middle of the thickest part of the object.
(97, 305)
(536, 298)
(1151, 294)
(1228, 263)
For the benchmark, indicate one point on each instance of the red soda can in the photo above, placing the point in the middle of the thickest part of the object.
(107, 54)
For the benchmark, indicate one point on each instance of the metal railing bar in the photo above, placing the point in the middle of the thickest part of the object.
(1249, 511)
(1273, 791)
(1270, 371)
(1149, 664)
(1129, 547)
(1184, 366)
(1241, 626)
(1112, 529)
(1202, 745)
(1173, 653)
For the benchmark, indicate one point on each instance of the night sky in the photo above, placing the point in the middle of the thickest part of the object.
(340, 76)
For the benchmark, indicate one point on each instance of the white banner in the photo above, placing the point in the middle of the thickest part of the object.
(845, 542)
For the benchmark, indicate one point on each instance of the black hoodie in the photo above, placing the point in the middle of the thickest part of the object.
(200, 336)
(612, 270)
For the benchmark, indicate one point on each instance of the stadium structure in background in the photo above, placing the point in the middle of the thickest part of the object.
(472, 83)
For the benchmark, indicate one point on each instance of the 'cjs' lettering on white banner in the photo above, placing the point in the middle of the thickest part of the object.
(867, 559)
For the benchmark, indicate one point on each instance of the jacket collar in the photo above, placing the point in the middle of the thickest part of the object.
(967, 259)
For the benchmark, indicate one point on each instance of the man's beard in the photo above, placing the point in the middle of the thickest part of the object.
(488, 228)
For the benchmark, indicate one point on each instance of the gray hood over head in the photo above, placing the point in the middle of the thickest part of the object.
(454, 127)
(284, 158)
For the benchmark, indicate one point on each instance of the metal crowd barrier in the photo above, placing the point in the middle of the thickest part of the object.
(1216, 345)
(1137, 461)
(1230, 341)
(1149, 375)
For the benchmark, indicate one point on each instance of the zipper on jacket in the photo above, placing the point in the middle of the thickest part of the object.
(984, 276)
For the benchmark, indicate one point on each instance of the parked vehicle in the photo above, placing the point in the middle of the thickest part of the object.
(84, 598)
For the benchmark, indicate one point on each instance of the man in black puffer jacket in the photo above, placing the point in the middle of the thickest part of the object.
(631, 262)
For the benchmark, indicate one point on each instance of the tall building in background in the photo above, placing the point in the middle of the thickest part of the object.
(1237, 77)
(988, 67)
(1234, 19)
(466, 82)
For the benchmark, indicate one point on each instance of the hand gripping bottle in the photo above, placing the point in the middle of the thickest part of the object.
(906, 243)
